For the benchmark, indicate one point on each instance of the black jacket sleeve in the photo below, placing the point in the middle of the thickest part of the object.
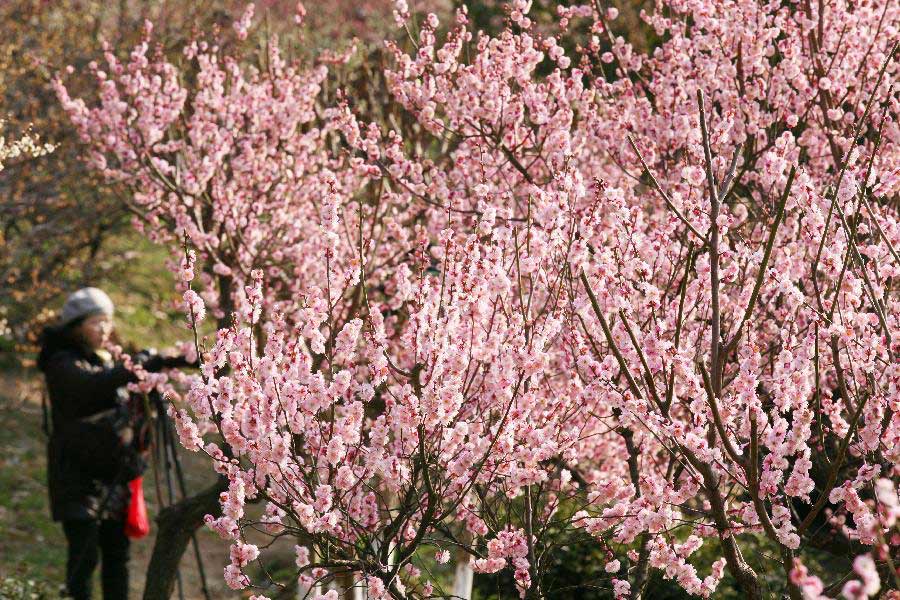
(179, 362)
(155, 362)
(80, 389)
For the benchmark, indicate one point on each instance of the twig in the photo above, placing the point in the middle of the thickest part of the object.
(662, 193)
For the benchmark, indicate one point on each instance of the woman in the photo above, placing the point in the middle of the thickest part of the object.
(91, 457)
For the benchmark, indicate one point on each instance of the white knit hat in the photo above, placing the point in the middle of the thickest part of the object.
(86, 302)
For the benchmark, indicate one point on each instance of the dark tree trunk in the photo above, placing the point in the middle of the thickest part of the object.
(176, 524)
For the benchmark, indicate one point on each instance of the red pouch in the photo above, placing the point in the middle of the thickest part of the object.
(137, 525)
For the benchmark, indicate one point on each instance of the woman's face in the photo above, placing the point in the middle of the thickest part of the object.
(96, 330)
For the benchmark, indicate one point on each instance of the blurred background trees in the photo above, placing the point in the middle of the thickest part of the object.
(58, 223)
(61, 227)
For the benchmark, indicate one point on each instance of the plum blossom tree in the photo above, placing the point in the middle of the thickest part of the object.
(650, 297)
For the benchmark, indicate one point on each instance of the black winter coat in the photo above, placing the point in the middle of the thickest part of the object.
(89, 457)
(88, 406)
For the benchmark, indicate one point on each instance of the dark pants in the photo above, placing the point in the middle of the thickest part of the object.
(90, 541)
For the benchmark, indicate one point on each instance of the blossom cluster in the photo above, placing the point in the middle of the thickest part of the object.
(657, 306)
(27, 145)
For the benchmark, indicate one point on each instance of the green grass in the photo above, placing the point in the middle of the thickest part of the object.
(31, 544)
(148, 309)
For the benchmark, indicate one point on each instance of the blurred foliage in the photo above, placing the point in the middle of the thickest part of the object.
(490, 16)
(577, 571)
(13, 588)
(573, 563)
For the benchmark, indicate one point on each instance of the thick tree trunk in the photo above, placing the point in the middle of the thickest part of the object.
(176, 524)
